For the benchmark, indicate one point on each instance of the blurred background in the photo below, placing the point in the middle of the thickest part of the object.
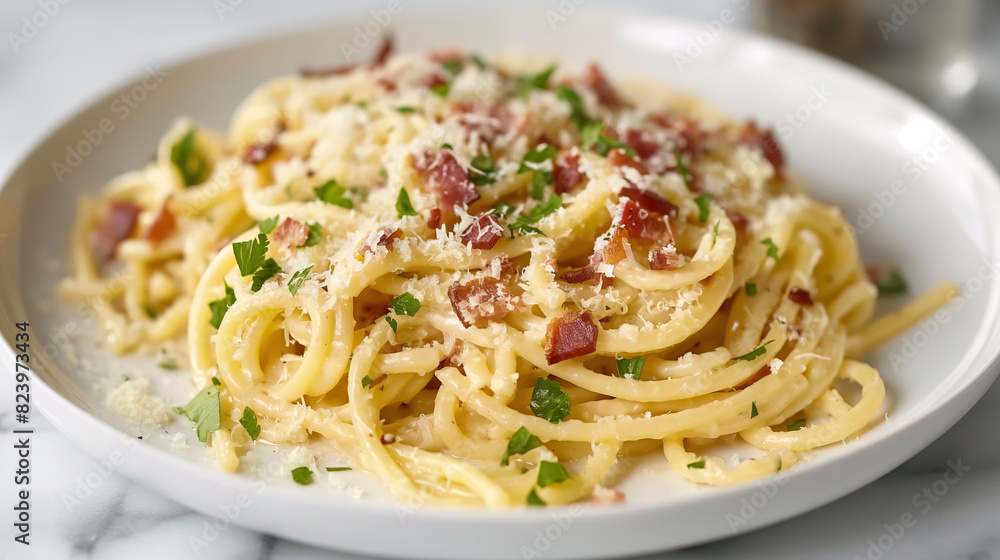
(59, 54)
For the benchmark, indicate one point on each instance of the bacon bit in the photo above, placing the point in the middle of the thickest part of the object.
(578, 276)
(602, 496)
(444, 55)
(116, 227)
(432, 80)
(765, 142)
(386, 438)
(740, 223)
(596, 81)
(164, 225)
(386, 84)
(434, 218)
(256, 153)
(661, 259)
(384, 51)
(570, 336)
(619, 158)
(443, 174)
(488, 120)
(609, 132)
(386, 237)
(690, 136)
(650, 200)
(566, 172)
(480, 301)
(292, 233)
(637, 140)
(369, 306)
(800, 296)
(484, 232)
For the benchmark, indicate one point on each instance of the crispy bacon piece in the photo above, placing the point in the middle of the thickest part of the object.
(764, 140)
(434, 218)
(596, 81)
(256, 153)
(488, 120)
(638, 141)
(619, 158)
(578, 276)
(383, 237)
(292, 233)
(444, 175)
(384, 51)
(116, 227)
(661, 259)
(444, 55)
(740, 222)
(650, 201)
(800, 296)
(480, 301)
(432, 80)
(484, 232)
(690, 137)
(164, 225)
(570, 336)
(566, 172)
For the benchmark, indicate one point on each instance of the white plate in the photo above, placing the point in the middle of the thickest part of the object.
(851, 137)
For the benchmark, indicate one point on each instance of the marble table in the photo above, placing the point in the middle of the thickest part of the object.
(83, 509)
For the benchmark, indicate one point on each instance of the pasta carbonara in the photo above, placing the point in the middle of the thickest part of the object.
(486, 284)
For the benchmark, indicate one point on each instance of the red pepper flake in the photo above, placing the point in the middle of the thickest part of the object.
(570, 336)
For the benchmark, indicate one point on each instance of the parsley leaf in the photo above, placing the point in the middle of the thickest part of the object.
(683, 170)
(267, 271)
(295, 282)
(524, 223)
(891, 283)
(453, 65)
(526, 84)
(478, 61)
(751, 289)
(697, 464)
(166, 362)
(302, 475)
(332, 192)
(503, 209)
(569, 95)
(249, 421)
(536, 156)
(403, 205)
(551, 473)
(392, 323)
(267, 225)
(405, 304)
(149, 311)
(772, 249)
(250, 254)
(366, 382)
(315, 234)
(520, 443)
(337, 469)
(630, 367)
(703, 200)
(205, 411)
(753, 409)
(755, 353)
(534, 500)
(482, 172)
(540, 178)
(590, 133)
(549, 401)
(405, 109)
(192, 164)
(715, 232)
(220, 306)
(796, 425)
(441, 90)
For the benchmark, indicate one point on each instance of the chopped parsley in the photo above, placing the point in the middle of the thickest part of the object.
(891, 283)
(360, 192)
(753, 409)
(697, 464)
(220, 306)
(551, 473)
(796, 425)
(268, 270)
(520, 443)
(772, 249)
(534, 500)
(166, 362)
(216, 382)
(703, 201)
(250, 254)
(683, 170)
(751, 289)
(591, 137)
(569, 95)
(267, 225)
(149, 311)
(478, 61)
(337, 469)
(755, 353)
(524, 224)
(366, 382)
(527, 84)
(483, 170)
(630, 367)
(332, 192)
(503, 209)
(295, 282)
(405, 109)
(453, 65)
(191, 164)
(302, 475)
(249, 422)
(715, 232)
(549, 401)
(204, 410)
(539, 177)
(405, 304)
(403, 205)
(392, 323)
(441, 90)
(315, 234)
